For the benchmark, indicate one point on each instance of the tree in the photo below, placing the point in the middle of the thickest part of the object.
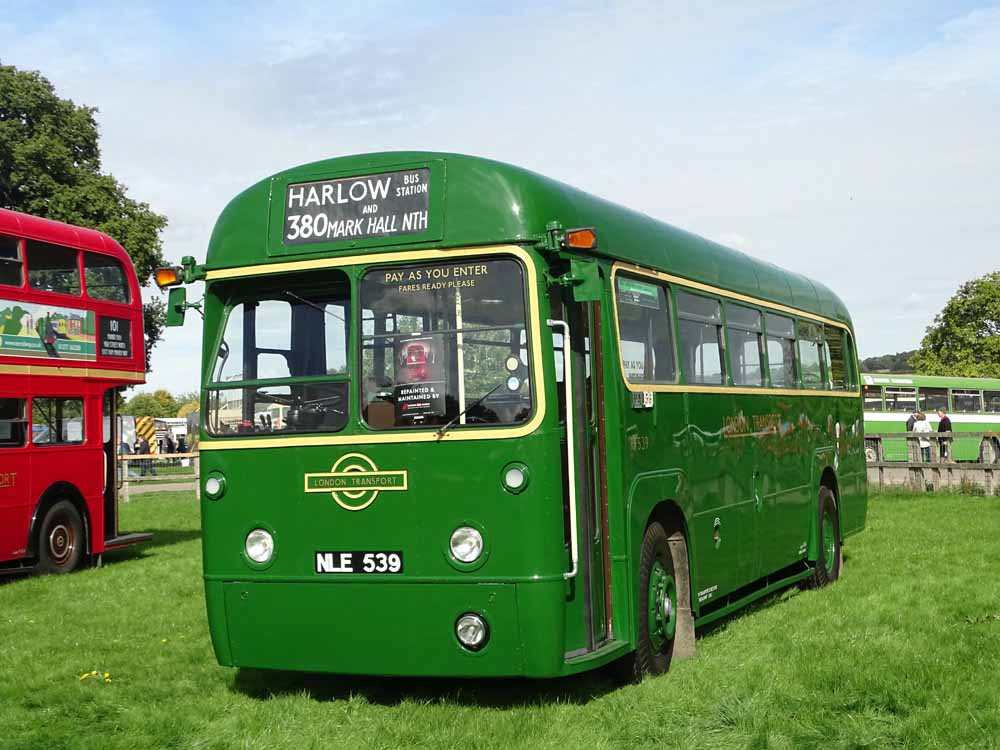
(187, 403)
(898, 362)
(50, 166)
(156, 404)
(964, 339)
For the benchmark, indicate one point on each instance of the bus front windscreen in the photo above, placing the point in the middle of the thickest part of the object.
(445, 345)
(281, 363)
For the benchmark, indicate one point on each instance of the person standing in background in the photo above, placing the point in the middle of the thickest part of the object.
(923, 426)
(944, 426)
(911, 421)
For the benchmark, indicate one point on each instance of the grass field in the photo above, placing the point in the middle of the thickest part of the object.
(903, 652)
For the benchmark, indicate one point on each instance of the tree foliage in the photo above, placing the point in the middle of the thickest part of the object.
(964, 339)
(50, 166)
(898, 362)
(159, 403)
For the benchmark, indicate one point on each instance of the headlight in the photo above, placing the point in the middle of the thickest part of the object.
(472, 631)
(466, 544)
(259, 546)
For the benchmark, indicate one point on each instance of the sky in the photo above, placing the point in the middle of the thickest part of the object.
(853, 142)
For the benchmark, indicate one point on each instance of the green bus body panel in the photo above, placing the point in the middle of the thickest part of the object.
(747, 501)
(488, 202)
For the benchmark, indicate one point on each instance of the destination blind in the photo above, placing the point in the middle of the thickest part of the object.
(353, 208)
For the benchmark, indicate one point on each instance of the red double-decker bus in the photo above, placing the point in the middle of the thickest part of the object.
(71, 335)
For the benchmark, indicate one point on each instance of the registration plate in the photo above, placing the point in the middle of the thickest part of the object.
(359, 562)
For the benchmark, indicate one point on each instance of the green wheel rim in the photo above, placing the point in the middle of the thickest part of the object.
(661, 603)
(829, 542)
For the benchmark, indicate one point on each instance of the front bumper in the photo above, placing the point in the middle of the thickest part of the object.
(382, 628)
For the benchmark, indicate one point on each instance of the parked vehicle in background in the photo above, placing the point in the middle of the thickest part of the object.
(71, 335)
(973, 404)
(445, 433)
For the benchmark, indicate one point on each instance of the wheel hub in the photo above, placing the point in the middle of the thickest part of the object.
(662, 607)
(61, 543)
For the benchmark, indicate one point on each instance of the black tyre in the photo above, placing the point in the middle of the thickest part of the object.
(60, 539)
(656, 605)
(827, 568)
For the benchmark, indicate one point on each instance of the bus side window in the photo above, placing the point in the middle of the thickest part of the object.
(966, 400)
(105, 278)
(11, 267)
(932, 399)
(644, 331)
(837, 344)
(700, 328)
(13, 424)
(992, 401)
(53, 268)
(900, 399)
(811, 355)
(746, 338)
(781, 351)
(56, 421)
(873, 398)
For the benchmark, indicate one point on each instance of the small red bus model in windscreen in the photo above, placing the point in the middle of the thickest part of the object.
(71, 335)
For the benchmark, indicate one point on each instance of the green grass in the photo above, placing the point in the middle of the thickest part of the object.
(902, 652)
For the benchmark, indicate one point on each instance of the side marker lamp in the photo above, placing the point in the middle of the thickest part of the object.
(580, 239)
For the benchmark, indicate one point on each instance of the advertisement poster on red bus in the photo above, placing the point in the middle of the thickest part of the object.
(32, 330)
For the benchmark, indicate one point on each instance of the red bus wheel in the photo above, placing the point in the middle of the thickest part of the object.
(60, 539)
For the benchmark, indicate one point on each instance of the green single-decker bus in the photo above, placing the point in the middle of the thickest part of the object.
(459, 419)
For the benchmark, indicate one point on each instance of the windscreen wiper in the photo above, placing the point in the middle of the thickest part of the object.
(305, 301)
(473, 405)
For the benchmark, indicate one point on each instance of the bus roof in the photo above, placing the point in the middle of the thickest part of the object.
(46, 230)
(488, 202)
(929, 381)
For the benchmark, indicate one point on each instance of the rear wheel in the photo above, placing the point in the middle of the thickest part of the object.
(60, 539)
(656, 605)
(827, 569)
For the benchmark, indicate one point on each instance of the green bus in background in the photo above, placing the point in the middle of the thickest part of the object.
(459, 419)
(972, 404)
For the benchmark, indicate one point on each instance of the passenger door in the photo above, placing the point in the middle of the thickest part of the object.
(589, 606)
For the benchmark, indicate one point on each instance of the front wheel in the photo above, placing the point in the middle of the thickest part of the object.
(827, 569)
(60, 539)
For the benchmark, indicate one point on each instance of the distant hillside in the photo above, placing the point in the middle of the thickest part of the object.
(888, 362)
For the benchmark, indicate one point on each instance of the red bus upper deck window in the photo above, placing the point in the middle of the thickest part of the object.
(105, 278)
(53, 268)
(11, 268)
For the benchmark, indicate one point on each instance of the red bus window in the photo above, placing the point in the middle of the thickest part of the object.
(105, 278)
(56, 421)
(11, 268)
(53, 268)
(12, 422)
